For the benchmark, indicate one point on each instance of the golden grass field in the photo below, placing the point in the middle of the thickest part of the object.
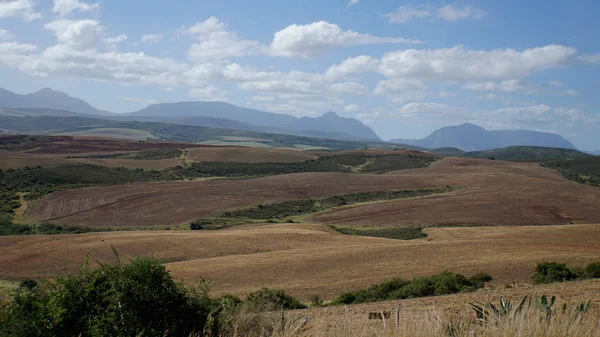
(308, 259)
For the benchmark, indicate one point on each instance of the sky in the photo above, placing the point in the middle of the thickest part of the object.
(402, 68)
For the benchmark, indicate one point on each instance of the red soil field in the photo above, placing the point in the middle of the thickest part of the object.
(497, 192)
(169, 203)
(248, 155)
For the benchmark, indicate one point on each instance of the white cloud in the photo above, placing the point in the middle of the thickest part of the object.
(352, 88)
(590, 59)
(210, 93)
(64, 7)
(263, 98)
(458, 63)
(79, 35)
(138, 100)
(505, 86)
(555, 83)
(445, 93)
(353, 2)
(572, 92)
(20, 9)
(115, 39)
(5, 35)
(451, 13)
(314, 39)
(151, 38)
(408, 13)
(368, 117)
(400, 90)
(352, 108)
(12, 48)
(352, 65)
(215, 43)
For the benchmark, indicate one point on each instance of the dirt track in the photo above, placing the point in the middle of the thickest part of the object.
(309, 259)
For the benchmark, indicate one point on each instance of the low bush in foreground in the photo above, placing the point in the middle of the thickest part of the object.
(396, 289)
(551, 272)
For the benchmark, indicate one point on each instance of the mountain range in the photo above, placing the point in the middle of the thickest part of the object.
(210, 114)
(471, 137)
(466, 137)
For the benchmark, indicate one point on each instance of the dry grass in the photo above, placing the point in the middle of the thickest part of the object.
(248, 155)
(309, 259)
(436, 316)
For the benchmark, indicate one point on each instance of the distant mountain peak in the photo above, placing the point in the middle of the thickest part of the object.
(330, 114)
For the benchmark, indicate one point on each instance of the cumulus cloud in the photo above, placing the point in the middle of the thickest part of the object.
(400, 90)
(64, 7)
(458, 63)
(368, 117)
(5, 35)
(452, 13)
(210, 93)
(214, 42)
(315, 39)
(78, 35)
(115, 39)
(151, 38)
(19, 8)
(590, 59)
(506, 86)
(352, 108)
(352, 65)
(408, 13)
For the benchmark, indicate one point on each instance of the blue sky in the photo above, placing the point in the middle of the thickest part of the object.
(403, 68)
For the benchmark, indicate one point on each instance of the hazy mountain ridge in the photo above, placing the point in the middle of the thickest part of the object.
(471, 137)
(209, 114)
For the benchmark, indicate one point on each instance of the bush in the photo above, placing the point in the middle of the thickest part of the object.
(111, 300)
(592, 270)
(440, 284)
(271, 300)
(550, 272)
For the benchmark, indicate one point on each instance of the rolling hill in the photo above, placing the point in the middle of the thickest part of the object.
(526, 153)
(471, 137)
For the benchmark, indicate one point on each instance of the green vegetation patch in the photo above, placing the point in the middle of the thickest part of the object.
(526, 153)
(583, 170)
(396, 232)
(397, 289)
(305, 206)
(393, 162)
(151, 154)
(551, 272)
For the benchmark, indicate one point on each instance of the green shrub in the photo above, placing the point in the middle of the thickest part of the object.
(271, 300)
(592, 270)
(550, 272)
(440, 284)
(111, 300)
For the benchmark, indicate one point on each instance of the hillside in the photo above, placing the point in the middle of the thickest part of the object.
(526, 153)
(328, 125)
(47, 99)
(471, 137)
(174, 132)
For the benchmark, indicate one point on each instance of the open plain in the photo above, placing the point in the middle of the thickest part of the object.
(308, 259)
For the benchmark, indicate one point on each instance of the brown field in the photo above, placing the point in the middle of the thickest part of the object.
(170, 203)
(309, 259)
(497, 192)
(248, 155)
(85, 144)
(23, 159)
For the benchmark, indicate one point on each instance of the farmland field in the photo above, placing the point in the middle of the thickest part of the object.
(295, 256)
